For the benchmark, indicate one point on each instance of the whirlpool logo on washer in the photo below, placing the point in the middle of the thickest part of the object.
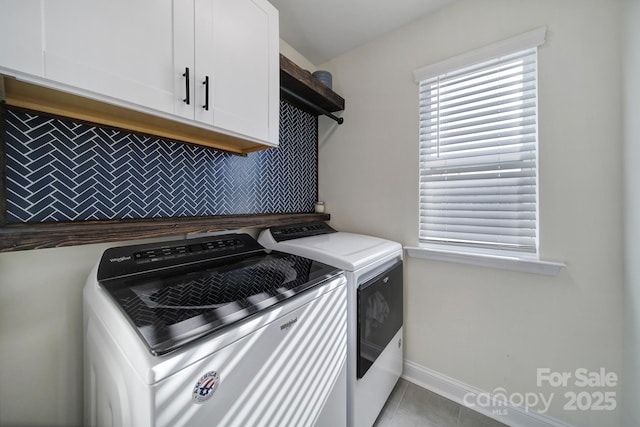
(288, 325)
(205, 387)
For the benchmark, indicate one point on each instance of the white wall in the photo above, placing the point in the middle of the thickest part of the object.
(631, 386)
(492, 328)
(41, 335)
(287, 50)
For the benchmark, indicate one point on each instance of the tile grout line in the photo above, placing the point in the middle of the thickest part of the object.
(395, 410)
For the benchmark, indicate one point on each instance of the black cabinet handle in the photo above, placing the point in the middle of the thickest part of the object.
(206, 93)
(186, 76)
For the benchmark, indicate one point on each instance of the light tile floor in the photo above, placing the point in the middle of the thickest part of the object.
(412, 406)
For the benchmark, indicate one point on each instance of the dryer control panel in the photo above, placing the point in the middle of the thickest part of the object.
(289, 232)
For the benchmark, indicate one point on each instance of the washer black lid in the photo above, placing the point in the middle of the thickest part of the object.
(188, 295)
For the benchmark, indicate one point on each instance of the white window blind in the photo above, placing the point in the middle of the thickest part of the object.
(478, 143)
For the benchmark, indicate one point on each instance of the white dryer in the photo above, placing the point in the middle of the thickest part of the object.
(373, 268)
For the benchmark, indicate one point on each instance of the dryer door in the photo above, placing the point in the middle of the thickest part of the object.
(380, 311)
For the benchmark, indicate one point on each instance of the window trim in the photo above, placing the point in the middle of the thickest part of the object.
(517, 261)
(506, 262)
(523, 41)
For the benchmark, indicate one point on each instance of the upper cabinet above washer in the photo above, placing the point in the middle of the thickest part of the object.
(21, 36)
(119, 49)
(211, 64)
(226, 64)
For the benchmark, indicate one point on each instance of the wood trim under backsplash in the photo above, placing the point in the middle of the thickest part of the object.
(18, 237)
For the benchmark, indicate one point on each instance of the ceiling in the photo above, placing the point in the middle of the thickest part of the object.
(323, 29)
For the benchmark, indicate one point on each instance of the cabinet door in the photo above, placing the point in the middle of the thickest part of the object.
(117, 48)
(204, 61)
(21, 37)
(183, 62)
(192, 73)
(244, 54)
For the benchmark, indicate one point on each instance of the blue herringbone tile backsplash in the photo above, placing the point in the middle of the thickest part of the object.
(63, 171)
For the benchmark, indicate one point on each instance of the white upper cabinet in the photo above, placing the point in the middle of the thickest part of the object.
(246, 67)
(211, 63)
(116, 48)
(21, 37)
(230, 51)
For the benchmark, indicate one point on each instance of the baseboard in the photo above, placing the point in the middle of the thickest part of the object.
(456, 390)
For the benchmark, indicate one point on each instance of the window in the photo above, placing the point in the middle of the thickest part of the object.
(478, 149)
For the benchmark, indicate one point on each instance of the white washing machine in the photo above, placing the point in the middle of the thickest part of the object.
(373, 268)
(214, 331)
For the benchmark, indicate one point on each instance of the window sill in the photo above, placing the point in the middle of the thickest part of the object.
(546, 268)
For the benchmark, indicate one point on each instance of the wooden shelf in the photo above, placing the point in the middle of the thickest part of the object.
(18, 237)
(302, 83)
